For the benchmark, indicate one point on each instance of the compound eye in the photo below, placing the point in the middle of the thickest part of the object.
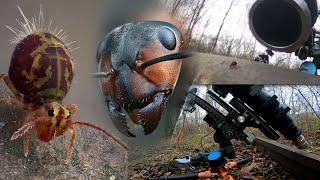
(167, 38)
(51, 112)
(68, 115)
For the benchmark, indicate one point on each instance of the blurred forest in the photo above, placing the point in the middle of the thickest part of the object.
(207, 26)
(221, 27)
(192, 135)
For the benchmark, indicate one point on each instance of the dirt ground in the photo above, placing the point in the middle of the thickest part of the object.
(94, 155)
(151, 162)
(157, 160)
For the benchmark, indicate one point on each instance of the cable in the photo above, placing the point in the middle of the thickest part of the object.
(201, 141)
(181, 131)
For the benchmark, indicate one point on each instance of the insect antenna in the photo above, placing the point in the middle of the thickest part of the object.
(101, 130)
(170, 57)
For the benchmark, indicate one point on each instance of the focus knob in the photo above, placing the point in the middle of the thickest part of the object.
(216, 160)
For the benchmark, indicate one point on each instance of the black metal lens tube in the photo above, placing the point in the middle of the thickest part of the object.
(262, 125)
(283, 25)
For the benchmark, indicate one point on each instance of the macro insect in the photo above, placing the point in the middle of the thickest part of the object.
(40, 75)
(135, 84)
(233, 65)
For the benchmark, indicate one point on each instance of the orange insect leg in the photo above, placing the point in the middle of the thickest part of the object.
(28, 124)
(103, 131)
(26, 144)
(71, 143)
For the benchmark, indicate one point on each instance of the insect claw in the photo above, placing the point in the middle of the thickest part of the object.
(15, 136)
(67, 161)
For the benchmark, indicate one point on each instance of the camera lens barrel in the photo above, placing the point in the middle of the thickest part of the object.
(266, 106)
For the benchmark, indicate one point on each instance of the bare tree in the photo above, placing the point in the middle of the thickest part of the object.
(195, 17)
(221, 25)
(307, 101)
(175, 7)
(203, 30)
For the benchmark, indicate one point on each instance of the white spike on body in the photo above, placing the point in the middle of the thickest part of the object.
(35, 25)
(73, 49)
(49, 25)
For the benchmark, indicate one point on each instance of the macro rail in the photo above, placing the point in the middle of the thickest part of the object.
(301, 164)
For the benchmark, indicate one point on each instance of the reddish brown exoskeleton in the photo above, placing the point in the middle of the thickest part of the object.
(40, 76)
(135, 84)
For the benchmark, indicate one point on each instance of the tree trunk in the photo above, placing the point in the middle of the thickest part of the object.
(221, 26)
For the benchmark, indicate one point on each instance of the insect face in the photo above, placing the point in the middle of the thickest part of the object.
(128, 86)
(55, 119)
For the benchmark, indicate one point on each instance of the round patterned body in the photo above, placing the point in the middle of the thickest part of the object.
(41, 68)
